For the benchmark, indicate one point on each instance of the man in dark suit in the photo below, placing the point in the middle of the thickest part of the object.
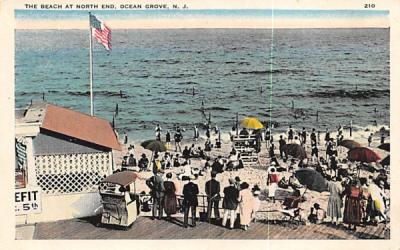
(190, 192)
(212, 191)
(230, 203)
(156, 185)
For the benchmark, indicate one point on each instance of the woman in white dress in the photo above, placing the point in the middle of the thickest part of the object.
(246, 205)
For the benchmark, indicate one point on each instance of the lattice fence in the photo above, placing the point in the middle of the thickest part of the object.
(71, 173)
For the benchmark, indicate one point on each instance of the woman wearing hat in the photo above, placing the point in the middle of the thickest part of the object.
(246, 205)
(352, 205)
(272, 183)
(170, 203)
(335, 203)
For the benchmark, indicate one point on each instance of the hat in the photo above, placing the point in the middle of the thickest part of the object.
(143, 155)
(192, 177)
(244, 185)
(273, 163)
(257, 192)
(255, 188)
(237, 178)
(231, 181)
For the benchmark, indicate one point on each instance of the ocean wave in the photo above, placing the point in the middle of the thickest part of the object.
(356, 94)
(174, 92)
(217, 108)
(101, 93)
(167, 61)
(187, 83)
(368, 71)
(173, 76)
(141, 76)
(274, 71)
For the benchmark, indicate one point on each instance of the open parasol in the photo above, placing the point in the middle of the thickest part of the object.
(363, 154)
(385, 146)
(349, 144)
(312, 179)
(295, 150)
(385, 161)
(154, 145)
(252, 123)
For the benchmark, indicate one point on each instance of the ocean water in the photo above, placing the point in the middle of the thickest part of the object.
(343, 74)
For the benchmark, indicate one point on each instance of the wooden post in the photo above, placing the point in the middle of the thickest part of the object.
(351, 128)
(237, 123)
(91, 66)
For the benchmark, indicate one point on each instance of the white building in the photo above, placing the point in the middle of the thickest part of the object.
(65, 154)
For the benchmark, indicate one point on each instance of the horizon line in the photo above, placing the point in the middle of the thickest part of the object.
(205, 28)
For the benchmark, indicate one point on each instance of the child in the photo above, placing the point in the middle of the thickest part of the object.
(317, 214)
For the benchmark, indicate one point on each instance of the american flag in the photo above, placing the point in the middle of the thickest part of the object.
(101, 32)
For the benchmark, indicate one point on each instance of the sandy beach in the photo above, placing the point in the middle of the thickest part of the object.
(257, 175)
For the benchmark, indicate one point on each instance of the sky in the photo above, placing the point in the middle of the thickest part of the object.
(203, 18)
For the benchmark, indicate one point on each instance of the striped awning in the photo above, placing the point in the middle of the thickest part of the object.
(20, 150)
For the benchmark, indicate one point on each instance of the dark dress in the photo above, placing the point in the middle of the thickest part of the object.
(169, 198)
(231, 196)
(352, 205)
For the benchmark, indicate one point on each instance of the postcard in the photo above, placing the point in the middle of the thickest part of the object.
(177, 121)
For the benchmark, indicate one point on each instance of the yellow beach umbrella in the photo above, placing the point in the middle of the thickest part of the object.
(252, 123)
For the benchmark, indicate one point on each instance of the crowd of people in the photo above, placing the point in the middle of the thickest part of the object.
(236, 197)
(353, 200)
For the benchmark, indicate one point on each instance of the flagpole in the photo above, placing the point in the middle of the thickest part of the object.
(91, 68)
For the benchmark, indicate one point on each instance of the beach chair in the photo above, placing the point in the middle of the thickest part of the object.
(291, 211)
(117, 211)
(120, 207)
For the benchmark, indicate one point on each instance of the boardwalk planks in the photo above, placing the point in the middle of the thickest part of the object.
(145, 228)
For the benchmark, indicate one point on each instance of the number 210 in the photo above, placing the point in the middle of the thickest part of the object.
(369, 5)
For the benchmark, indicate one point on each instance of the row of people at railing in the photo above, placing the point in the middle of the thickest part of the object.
(237, 198)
